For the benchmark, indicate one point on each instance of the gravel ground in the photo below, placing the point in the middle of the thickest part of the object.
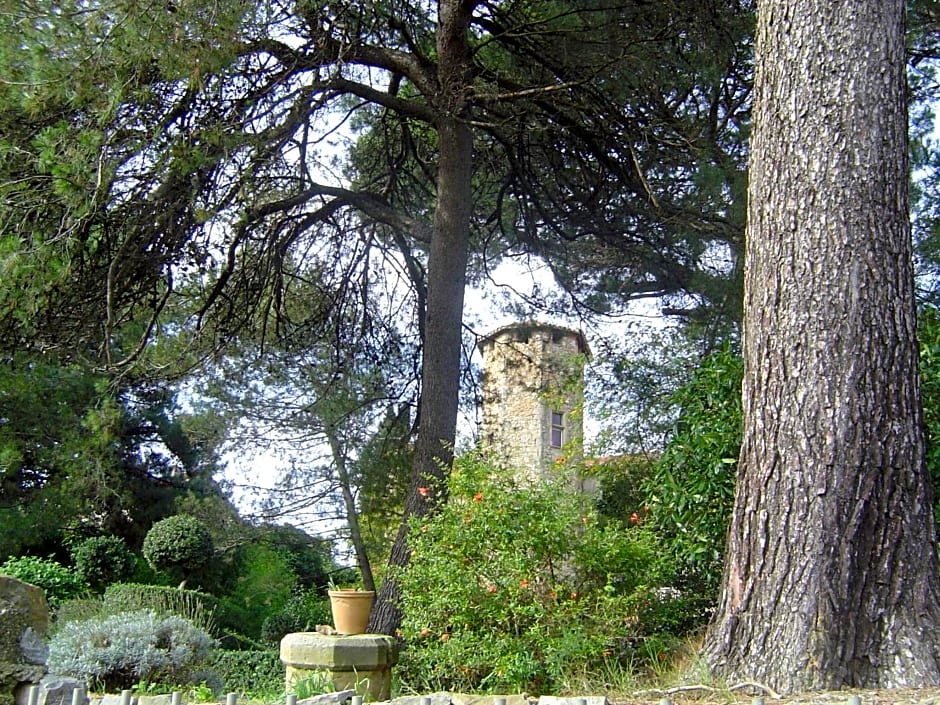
(700, 695)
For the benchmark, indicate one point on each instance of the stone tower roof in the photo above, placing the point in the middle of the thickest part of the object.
(524, 328)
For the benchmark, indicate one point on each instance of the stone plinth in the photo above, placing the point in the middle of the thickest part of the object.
(360, 662)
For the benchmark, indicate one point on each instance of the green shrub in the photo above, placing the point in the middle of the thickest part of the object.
(79, 609)
(117, 651)
(513, 588)
(257, 673)
(308, 556)
(623, 483)
(276, 626)
(197, 607)
(178, 545)
(928, 333)
(57, 582)
(302, 613)
(265, 584)
(691, 491)
(671, 611)
(102, 560)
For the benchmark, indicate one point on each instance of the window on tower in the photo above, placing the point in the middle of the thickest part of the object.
(558, 429)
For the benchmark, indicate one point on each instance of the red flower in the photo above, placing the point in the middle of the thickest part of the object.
(423, 491)
(478, 497)
(491, 588)
(635, 518)
(524, 583)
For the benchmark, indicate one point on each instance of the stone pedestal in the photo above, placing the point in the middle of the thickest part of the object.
(360, 662)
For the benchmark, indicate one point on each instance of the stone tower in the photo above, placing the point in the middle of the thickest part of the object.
(533, 395)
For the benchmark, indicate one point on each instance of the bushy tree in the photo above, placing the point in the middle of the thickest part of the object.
(691, 489)
(264, 585)
(308, 557)
(83, 454)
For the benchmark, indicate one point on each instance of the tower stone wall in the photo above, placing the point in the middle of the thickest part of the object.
(533, 395)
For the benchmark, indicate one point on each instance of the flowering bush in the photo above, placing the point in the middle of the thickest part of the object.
(513, 588)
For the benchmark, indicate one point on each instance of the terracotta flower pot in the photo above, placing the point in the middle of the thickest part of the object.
(351, 610)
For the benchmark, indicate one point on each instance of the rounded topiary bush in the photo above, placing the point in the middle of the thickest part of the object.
(122, 649)
(102, 560)
(57, 582)
(177, 544)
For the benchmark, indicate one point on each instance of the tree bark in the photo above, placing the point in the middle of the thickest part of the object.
(831, 570)
(447, 273)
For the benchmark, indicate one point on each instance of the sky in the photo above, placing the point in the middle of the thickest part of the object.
(252, 472)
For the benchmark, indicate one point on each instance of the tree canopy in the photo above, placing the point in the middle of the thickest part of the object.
(80, 457)
(197, 157)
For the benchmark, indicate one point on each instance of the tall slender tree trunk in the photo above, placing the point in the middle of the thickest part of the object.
(447, 274)
(831, 571)
(352, 511)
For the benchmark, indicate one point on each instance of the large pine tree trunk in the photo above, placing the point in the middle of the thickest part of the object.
(831, 570)
(447, 274)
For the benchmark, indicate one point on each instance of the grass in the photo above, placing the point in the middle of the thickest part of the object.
(681, 673)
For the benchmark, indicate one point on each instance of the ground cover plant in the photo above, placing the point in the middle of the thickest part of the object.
(254, 672)
(120, 650)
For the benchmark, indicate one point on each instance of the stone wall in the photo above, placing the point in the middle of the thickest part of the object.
(24, 619)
